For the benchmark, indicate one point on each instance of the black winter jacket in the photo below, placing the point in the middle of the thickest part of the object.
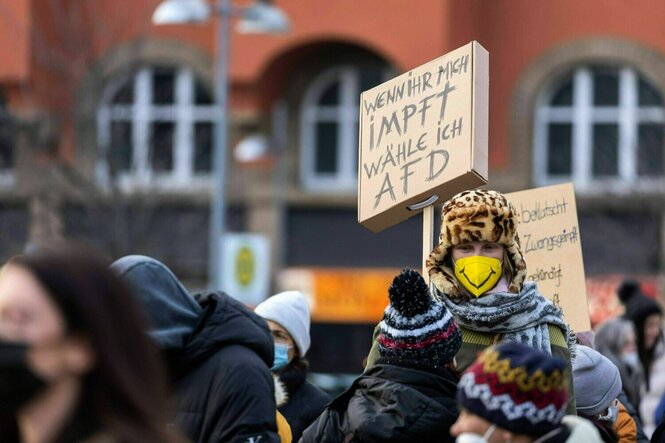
(225, 392)
(390, 403)
(218, 354)
(305, 402)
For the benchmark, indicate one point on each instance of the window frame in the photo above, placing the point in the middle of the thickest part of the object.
(8, 176)
(346, 115)
(582, 115)
(184, 113)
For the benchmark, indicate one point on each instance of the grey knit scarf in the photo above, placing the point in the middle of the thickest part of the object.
(521, 318)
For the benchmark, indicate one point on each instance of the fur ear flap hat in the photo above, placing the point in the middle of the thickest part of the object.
(479, 215)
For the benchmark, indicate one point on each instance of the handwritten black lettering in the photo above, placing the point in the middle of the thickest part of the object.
(400, 124)
(543, 210)
(386, 187)
(422, 143)
(388, 124)
(448, 70)
(551, 242)
(395, 94)
(431, 156)
(444, 99)
(449, 131)
(555, 273)
(406, 174)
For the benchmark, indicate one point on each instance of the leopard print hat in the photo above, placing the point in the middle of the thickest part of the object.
(479, 215)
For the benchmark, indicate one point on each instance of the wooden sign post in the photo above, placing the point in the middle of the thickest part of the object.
(550, 241)
(423, 138)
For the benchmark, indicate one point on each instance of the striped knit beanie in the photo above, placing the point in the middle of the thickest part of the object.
(515, 387)
(416, 331)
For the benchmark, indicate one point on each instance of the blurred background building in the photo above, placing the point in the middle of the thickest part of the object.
(106, 135)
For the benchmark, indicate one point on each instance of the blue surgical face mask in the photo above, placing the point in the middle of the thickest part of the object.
(281, 356)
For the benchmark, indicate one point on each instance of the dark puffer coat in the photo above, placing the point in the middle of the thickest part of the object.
(225, 392)
(390, 403)
(305, 402)
(218, 354)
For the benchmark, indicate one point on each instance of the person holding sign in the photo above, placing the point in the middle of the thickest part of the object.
(478, 271)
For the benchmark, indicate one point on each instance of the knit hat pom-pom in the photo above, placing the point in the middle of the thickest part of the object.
(409, 294)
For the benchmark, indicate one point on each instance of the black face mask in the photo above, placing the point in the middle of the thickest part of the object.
(18, 383)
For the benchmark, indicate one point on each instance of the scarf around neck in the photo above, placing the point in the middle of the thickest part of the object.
(522, 318)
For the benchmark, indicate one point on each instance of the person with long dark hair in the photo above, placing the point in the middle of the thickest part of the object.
(647, 316)
(75, 365)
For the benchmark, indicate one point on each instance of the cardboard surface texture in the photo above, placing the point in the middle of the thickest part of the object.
(422, 134)
(550, 238)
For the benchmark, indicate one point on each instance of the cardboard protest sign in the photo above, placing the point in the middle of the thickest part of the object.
(550, 239)
(423, 137)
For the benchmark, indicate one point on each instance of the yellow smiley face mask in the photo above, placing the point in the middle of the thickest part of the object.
(478, 274)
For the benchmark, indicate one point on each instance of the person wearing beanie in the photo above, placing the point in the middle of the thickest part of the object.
(647, 317)
(288, 318)
(598, 384)
(409, 394)
(616, 340)
(512, 392)
(478, 271)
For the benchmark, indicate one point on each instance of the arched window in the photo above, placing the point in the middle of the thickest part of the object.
(601, 126)
(155, 127)
(7, 144)
(329, 127)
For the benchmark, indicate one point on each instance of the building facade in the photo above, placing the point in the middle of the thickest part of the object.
(106, 131)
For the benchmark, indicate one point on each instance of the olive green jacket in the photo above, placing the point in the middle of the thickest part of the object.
(473, 342)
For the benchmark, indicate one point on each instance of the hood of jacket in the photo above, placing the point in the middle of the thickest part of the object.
(392, 403)
(225, 322)
(189, 328)
(171, 311)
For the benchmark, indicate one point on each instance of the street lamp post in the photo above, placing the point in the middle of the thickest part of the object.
(218, 203)
(260, 17)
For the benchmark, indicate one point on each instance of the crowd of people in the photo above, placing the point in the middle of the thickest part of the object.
(122, 352)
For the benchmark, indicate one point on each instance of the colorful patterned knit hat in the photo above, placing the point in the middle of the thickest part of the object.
(480, 215)
(416, 331)
(515, 387)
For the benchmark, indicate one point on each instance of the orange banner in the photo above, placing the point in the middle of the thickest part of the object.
(343, 295)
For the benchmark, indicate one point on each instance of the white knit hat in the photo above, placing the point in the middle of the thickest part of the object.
(290, 310)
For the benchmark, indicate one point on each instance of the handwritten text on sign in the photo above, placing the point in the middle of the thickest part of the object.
(549, 234)
(416, 132)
